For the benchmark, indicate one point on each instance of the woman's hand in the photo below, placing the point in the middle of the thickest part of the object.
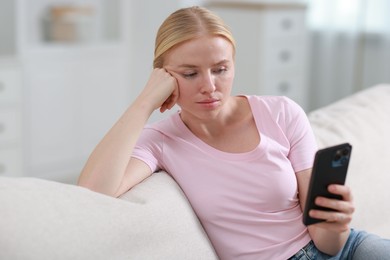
(161, 90)
(330, 235)
(338, 220)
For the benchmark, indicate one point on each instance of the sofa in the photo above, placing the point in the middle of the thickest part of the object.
(42, 219)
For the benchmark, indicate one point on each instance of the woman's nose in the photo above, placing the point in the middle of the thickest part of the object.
(207, 84)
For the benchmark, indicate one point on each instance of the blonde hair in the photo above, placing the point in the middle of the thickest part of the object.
(186, 24)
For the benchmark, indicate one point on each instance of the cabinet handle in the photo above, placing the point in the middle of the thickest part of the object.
(284, 87)
(2, 168)
(287, 24)
(285, 55)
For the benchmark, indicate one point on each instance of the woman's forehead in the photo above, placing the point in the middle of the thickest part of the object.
(210, 49)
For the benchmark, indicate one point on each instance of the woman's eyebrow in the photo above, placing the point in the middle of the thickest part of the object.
(191, 66)
(222, 62)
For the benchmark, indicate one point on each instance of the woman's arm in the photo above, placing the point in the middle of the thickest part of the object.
(331, 235)
(109, 169)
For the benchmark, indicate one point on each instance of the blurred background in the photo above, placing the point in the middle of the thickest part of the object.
(69, 68)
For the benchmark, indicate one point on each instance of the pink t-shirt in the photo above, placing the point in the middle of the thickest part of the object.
(246, 202)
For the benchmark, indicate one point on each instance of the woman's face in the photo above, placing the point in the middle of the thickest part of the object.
(204, 69)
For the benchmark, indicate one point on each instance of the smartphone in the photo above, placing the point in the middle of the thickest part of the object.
(330, 167)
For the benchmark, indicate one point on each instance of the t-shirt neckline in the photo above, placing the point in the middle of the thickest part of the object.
(250, 155)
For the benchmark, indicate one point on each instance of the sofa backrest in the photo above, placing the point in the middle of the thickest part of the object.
(363, 120)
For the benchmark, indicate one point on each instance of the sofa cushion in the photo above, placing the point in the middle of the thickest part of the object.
(41, 219)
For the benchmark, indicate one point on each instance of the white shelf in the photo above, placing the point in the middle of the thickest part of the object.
(101, 27)
(74, 50)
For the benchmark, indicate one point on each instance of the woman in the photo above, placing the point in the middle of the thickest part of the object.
(243, 161)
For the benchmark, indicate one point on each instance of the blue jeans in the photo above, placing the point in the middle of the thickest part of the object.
(359, 246)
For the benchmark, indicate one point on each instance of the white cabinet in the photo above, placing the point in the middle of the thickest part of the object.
(10, 118)
(271, 46)
(70, 103)
(72, 87)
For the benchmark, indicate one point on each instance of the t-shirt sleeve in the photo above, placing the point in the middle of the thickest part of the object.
(149, 148)
(300, 135)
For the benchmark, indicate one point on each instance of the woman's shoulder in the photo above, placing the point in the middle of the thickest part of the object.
(270, 99)
(273, 103)
(166, 126)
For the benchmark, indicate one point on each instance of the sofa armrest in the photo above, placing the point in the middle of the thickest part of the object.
(41, 219)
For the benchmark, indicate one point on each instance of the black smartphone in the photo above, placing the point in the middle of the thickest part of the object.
(330, 167)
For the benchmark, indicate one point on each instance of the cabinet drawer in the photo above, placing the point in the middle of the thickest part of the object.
(10, 126)
(10, 162)
(286, 85)
(284, 22)
(10, 86)
(282, 55)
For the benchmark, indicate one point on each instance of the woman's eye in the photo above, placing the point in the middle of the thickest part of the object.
(189, 75)
(220, 70)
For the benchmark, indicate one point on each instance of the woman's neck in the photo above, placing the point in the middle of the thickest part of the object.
(232, 114)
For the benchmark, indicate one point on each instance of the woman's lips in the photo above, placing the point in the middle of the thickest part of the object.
(209, 102)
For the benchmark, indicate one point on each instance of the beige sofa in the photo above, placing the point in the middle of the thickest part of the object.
(41, 219)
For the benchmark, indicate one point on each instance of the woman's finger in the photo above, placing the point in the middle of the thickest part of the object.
(342, 190)
(346, 207)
